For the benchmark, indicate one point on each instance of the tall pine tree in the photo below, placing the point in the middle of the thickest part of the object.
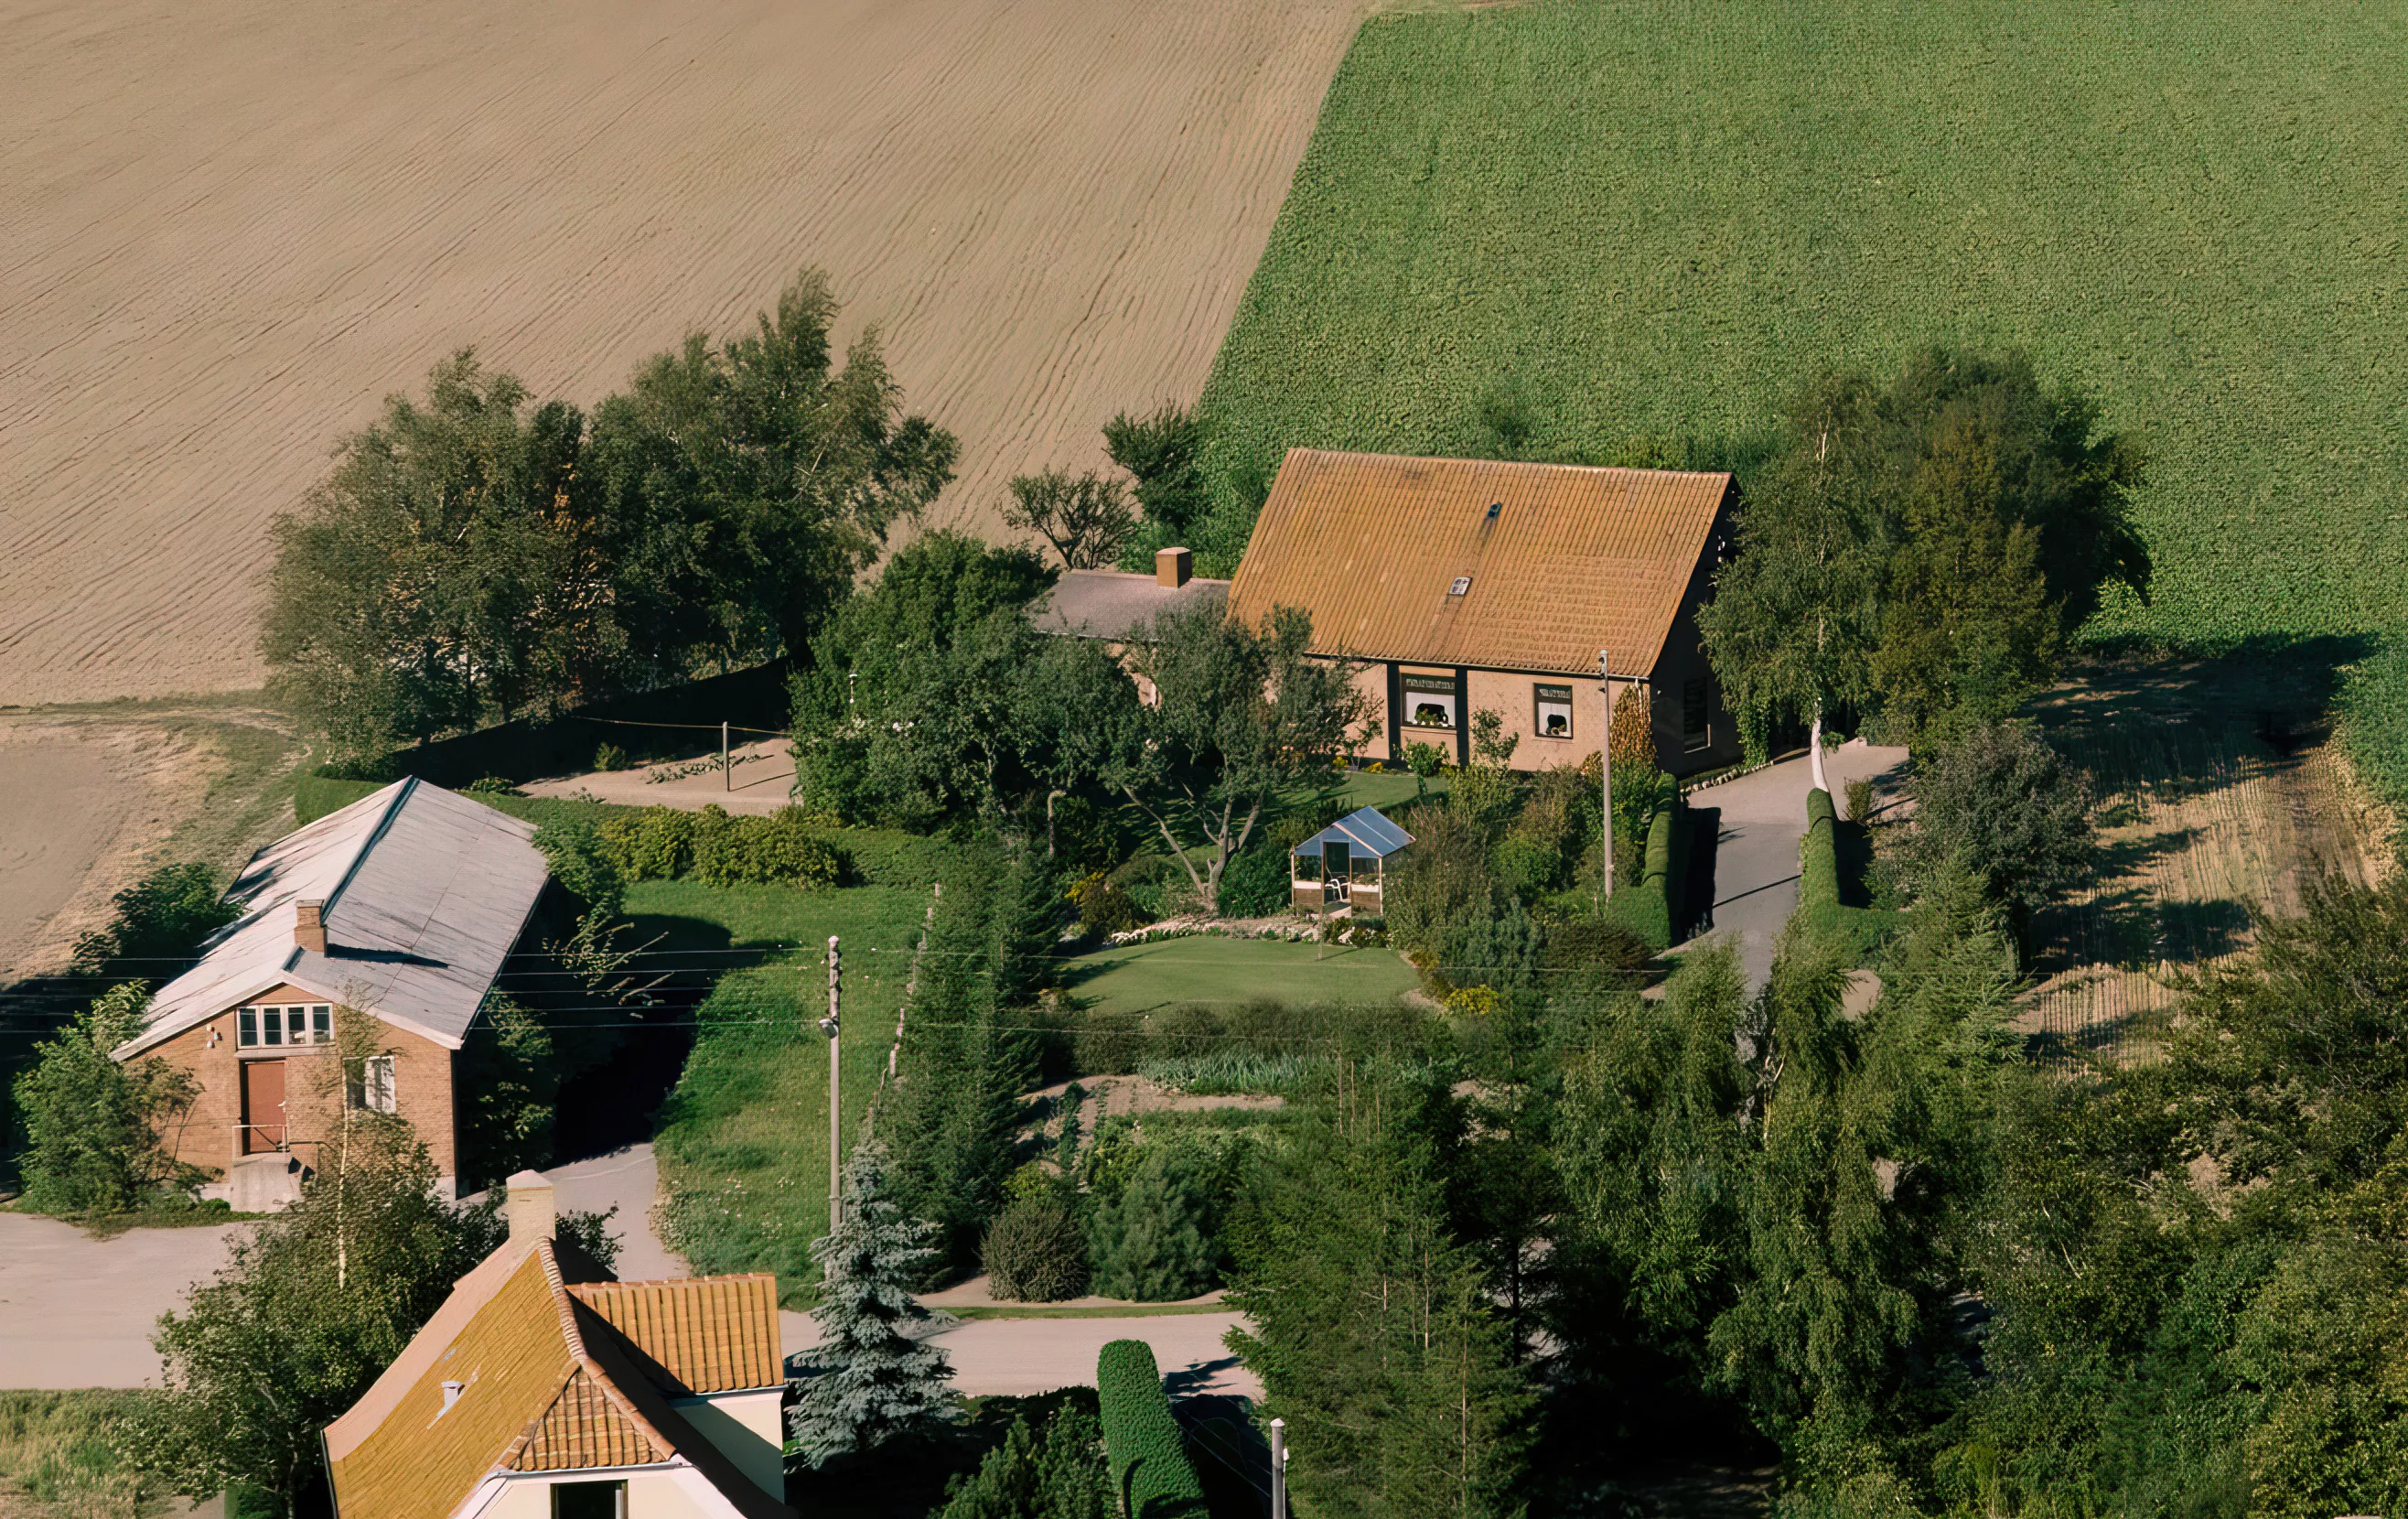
(1375, 1332)
(876, 1380)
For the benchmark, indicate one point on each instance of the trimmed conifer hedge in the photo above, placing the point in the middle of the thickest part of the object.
(1147, 1453)
(1649, 909)
(1820, 905)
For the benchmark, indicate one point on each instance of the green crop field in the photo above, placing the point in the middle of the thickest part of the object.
(1646, 222)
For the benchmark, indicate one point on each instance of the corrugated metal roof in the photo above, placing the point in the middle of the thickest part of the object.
(1573, 559)
(1367, 830)
(425, 892)
(546, 1384)
(1114, 604)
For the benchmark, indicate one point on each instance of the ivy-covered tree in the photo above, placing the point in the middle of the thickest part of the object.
(877, 1382)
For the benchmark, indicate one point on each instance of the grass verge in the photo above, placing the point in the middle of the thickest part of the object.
(62, 1455)
(742, 1140)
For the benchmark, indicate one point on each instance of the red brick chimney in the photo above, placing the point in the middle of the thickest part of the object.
(1172, 567)
(309, 925)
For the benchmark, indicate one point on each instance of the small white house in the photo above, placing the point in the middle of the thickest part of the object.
(544, 1389)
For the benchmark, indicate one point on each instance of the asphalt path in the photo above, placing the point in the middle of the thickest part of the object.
(77, 1311)
(1763, 821)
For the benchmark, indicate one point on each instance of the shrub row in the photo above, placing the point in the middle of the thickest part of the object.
(1143, 1444)
(663, 843)
(1649, 909)
(1821, 904)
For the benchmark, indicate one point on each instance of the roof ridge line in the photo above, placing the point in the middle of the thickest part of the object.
(403, 789)
(565, 1301)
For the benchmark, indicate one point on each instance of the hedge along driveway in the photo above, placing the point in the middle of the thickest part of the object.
(1761, 825)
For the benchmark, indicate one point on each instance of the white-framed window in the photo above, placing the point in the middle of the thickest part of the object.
(1431, 701)
(367, 1084)
(589, 1501)
(1553, 710)
(284, 1024)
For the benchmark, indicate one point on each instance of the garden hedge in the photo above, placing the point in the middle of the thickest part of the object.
(1822, 906)
(1650, 909)
(1147, 1453)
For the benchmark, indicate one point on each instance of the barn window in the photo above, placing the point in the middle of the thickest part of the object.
(246, 1027)
(367, 1085)
(1430, 701)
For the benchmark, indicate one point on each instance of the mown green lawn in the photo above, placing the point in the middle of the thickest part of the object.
(1651, 219)
(1204, 968)
(742, 1141)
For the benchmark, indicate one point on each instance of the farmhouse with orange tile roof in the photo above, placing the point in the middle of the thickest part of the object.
(542, 1389)
(1473, 584)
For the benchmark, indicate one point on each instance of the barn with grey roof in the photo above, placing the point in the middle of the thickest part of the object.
(403, 906)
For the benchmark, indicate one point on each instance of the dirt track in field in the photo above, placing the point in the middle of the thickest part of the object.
(226, 232)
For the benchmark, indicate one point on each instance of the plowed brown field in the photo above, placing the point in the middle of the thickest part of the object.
(227, 231)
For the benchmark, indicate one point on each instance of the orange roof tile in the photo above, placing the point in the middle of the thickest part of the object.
(709, 1335)
(1574, 559)
(548, 1384)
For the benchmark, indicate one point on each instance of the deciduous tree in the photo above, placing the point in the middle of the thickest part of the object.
(1084, 517)
(1243, 717)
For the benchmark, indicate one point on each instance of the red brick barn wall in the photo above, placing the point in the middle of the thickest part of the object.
(313, 1092)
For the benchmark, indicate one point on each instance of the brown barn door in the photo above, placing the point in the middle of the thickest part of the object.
(263, 1106)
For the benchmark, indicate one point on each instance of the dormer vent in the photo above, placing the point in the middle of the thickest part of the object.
(450, 1396)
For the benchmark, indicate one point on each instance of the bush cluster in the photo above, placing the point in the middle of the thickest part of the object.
(1147, 1453)
(1035, 1251)
(662, 843)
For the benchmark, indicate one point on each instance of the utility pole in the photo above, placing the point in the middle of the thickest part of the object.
(1279, 1469)
(726, 783)
(830, 1025)
(1605, 777)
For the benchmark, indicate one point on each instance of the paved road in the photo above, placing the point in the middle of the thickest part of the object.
(1018, 1357)
(77, 1311)
(1756, 853)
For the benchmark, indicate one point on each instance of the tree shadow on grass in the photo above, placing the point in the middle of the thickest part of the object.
(2168, 724)
(617, 1101)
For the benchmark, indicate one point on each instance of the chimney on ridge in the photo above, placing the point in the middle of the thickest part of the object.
(1172, 567)
(309, 925)
(528, 1207)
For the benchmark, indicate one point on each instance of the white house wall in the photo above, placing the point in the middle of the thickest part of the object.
(746, 1428)
(669, 1492)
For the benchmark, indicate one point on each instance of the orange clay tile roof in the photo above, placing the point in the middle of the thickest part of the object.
(712, 1335)
(548, 1384)
(1576, 558)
